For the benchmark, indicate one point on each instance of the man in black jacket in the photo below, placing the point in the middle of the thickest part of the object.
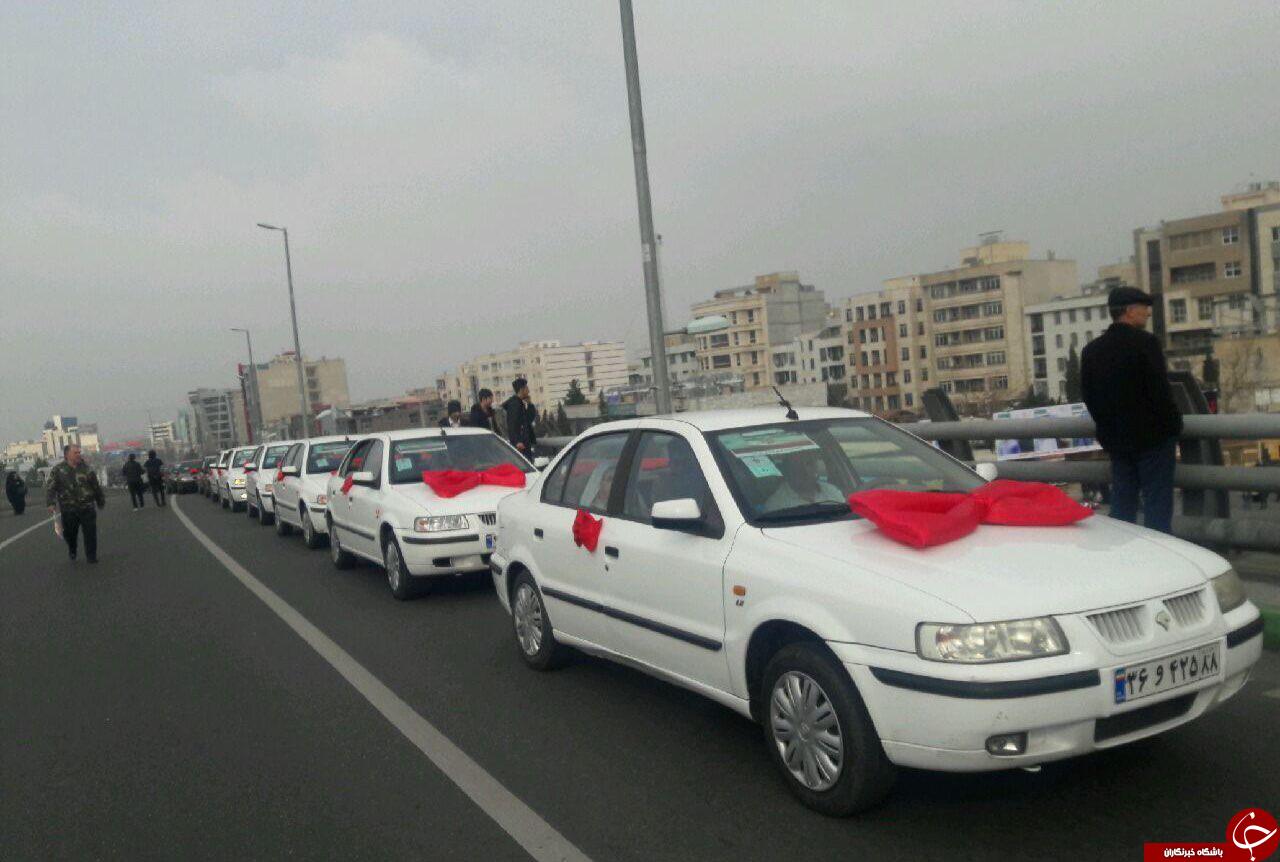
(482, 415)
(1125, 384)
(521, 415)
(155, 476)
(453, 415)
(133, 474)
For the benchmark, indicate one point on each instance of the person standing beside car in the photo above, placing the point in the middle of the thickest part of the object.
(453, 415)
(482, 413)
(155, 476)
(73, 492)
(133, 474)
(521, 416)
(1125, 384)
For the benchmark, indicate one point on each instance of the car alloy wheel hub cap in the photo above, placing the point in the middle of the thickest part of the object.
(528, 620)
(806, 730)
(393, 567)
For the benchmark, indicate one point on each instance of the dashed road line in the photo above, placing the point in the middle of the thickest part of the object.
(539, 839)
(9, 541)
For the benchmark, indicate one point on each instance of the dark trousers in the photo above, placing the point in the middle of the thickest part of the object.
(157, 491)
(75, 520)
(1147, 474)
(137, 494)
(19, 504)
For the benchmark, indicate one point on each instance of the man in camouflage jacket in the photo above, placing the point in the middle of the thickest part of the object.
(73, 492)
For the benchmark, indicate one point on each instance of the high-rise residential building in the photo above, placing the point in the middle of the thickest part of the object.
(773, 311)
(219, 418)
(326, 382)
(888, 347)
(184, 429)
(549, 366)
(814, 357)
(1059, 326)
(1213, 273)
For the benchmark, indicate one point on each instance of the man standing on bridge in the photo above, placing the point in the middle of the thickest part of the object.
(73, 492)
(1125, 384)
(155, 476)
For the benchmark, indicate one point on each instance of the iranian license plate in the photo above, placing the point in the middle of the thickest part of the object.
(489, 541)
(1137, 681)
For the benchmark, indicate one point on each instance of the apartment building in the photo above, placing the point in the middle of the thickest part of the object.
(682, 360)
(161, 435)
(1213, 273)
(815, 357)
(888, 354)
(61, 431)
(1057, 327)
(549, 366)
(775, 310)
(326, 381)
(219, 415)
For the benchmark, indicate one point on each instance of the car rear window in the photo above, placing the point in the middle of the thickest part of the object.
(274, 456)
(325, 457)
(244, 456)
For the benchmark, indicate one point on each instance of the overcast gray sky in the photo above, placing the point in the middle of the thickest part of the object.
(457, 176)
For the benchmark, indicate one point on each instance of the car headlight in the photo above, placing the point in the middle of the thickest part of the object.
(439, 523)
(322, 499)
(1229, 589)
(980, 643)
(237, 483)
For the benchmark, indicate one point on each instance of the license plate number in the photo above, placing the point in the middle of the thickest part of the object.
(1137, 681)
(489, 541)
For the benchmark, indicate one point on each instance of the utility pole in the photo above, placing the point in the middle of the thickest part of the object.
(255, 409)
(297, 346)
(648, 251)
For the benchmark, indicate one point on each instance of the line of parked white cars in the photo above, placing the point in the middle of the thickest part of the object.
(730, 563)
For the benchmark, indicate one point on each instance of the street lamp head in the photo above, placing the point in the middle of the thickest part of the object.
(238, 329)
(268, 226)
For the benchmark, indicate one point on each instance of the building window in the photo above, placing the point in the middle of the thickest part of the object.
(1204, 307)
(753, 336)
(910, 400)
(755, 378)
(878, 380)
(862, 336)
(871, 312)
(991, 308)
(924, 352)
(886, 309)
(1041, 370)
(920, 302)
(751, 315)
(1037, 345)
(993, 333)
(1178, 310)
(1062, 363)
(1275, 234)
(866, 381)
(1189, 274)
(891, 378)
(920, 325)
(861, 314)
(1088, 315)
(848, 315)
(902, 306)
(1231, 269)
(1057, 318)
(906, 376)
(735, 340)
(906, 353)
(1001, 382)
(875, 335)
(995, 357)
(1075, 339)
(875, 357)
(1057, 340)
(902, 330)
(721, 361)
(863, 356)
(1230, 235)
(721, 340)
(924, 375)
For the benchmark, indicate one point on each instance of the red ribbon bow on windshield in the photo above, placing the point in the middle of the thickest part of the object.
(923, 519)
(586, 530)
(451, 483)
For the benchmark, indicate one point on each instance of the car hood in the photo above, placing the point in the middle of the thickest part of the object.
(1000, 573)
(484, 498)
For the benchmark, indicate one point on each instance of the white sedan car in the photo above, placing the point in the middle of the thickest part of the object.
(300, 493)
(260, 481)
(389, 516)
(231, 481)
(729, 562)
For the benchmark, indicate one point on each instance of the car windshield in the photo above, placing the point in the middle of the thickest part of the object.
(244, 456)
(409, 458)
(325, 457)
(274, 456)
(802, 472)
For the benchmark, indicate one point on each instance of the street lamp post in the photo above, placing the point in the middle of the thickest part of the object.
(653, 295)
(297, 345)
(255, 409)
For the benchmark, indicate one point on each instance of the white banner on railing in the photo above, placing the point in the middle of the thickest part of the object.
(1041, 447)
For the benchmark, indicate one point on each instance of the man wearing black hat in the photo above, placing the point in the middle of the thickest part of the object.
(453, 415)
(1125, 384)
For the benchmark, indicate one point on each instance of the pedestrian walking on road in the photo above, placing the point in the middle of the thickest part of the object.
(521, 416)
(133, 474)
(482, 412)
(1125, 384)
(155, 477)
(73, 493)
(453, 415)
(16, 490)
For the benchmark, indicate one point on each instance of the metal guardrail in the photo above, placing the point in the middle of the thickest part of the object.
(1241, 426)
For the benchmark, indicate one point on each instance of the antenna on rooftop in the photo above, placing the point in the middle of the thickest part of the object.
(791, 412)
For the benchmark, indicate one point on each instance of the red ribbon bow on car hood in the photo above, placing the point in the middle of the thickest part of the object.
(922, 519)
(451, 483)
(586, 530)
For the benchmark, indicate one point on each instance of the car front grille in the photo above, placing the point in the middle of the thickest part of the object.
(488, 518)
(1187, 609)
(1120, 626)
(1140, 719)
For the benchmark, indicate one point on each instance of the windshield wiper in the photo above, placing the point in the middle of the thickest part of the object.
(805, 512)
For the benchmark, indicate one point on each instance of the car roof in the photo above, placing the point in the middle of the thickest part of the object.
(720, 420)
(333, 438)
(419, 433)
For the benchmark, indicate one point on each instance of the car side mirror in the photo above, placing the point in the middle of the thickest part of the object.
(362, 477)
(291, 470)
(541, 462)
(683, 514)
(987, 471)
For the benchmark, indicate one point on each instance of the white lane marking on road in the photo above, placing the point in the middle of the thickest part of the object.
(9, 541)
(539, 839)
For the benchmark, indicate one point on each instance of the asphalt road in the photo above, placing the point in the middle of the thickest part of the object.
(153, 707)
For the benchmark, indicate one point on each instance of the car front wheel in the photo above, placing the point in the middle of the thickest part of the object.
(534, 636)
(341, 558)
(310, 536)
(282, 529)
(820, 735)
(265, 518)
(398, 577)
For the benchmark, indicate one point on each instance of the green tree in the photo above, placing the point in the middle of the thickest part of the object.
(575, 395)
(1033, 399)
(1073, 376)
(562, 421)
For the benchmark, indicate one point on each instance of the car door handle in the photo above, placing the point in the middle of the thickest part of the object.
(610, 551)
(537, 532)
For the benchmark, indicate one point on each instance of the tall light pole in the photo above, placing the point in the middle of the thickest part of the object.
(297, 345)
(255, 409)
(653, 295)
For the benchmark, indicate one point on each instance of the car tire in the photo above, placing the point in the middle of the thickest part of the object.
(403, 585)
(283, 529)
(535, 639)
(225, 501)
(250, 510)
(860, 775)
(341, 559)
(311, 537)
(265, 518)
